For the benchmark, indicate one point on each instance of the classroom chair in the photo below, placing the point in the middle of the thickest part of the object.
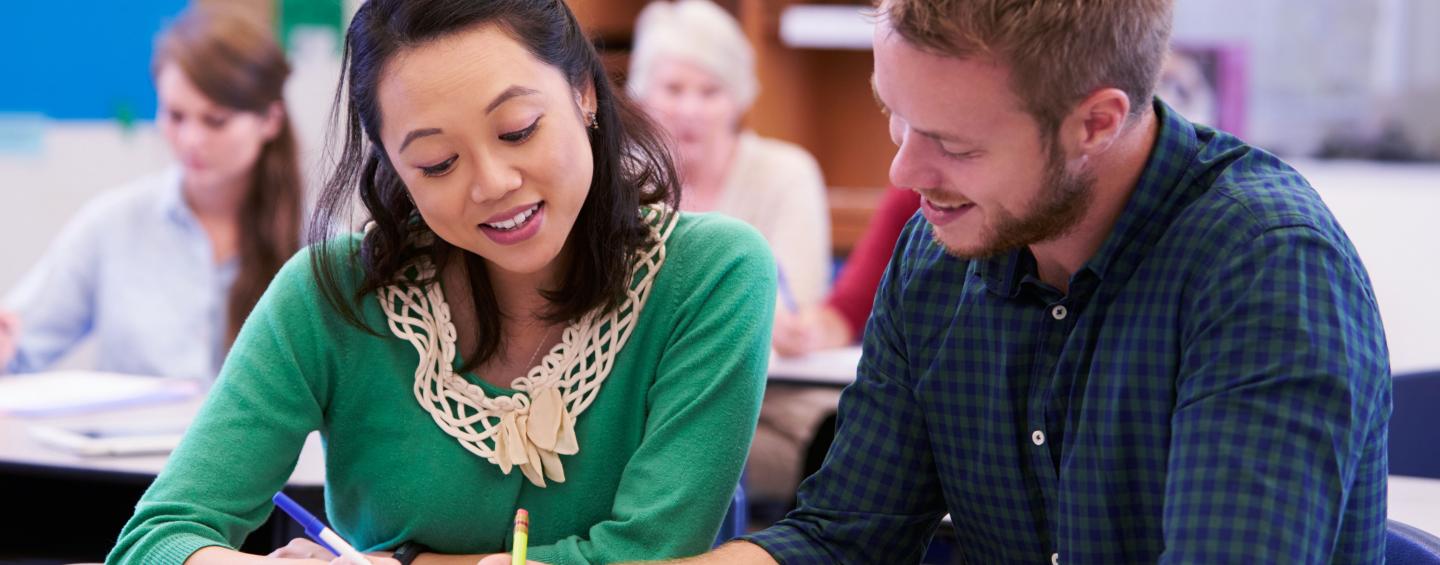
(736, 518)
(1415, 425)
(1408, 545)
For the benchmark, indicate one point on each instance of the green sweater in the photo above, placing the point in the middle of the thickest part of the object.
(661, 448)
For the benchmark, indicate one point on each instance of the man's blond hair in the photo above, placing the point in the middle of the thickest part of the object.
(1057, 51)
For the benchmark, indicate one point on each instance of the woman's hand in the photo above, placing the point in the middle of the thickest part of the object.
(794, 334)
(304, 549)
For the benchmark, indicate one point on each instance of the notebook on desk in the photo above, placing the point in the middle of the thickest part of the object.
(831, 367)
(109, 441)
(68, 392)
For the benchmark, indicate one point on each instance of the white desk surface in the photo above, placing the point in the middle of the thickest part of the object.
(17, 447)
(1412, 500)
(1415, 501)
(831, 367)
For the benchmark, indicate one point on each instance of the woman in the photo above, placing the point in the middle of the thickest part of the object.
(694, 72)
(524, 324)
(840, 320)
(163, 271)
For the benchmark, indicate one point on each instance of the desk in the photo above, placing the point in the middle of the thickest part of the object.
(19, 451)
(102, 491)
(827, 368)
(1415, 501)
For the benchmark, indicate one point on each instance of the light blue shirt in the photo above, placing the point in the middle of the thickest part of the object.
(134, 270)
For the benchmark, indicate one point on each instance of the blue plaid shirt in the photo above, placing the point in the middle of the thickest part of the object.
(1214, 388)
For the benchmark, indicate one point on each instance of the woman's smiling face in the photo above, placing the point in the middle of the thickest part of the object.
(491, 144)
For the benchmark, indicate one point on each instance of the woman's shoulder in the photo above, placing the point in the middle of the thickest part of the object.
(117, 213)
(710, 242)
(338, 256)
(714, 232)
(135, 199)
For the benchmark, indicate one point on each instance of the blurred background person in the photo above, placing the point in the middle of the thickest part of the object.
(839, 321)
(693, 70)
(162, 271)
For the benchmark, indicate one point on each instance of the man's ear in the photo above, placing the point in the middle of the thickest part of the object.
(1095, 123)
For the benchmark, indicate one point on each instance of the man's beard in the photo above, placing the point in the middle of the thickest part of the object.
(1062, 201)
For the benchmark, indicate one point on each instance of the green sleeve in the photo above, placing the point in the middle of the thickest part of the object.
(702, 407)
(243, 445)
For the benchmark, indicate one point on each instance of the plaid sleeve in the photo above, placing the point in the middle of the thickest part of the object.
(1282, 395)
(877, 497)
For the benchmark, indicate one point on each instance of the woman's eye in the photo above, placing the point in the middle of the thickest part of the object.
(960, 156)
(439, 169)
(216, 122)
(521, 135)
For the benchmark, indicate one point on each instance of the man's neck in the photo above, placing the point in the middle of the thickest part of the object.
(1116, 172)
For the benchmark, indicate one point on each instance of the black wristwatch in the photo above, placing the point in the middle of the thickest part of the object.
(408, 552)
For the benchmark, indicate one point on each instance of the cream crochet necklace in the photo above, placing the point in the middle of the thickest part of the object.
(533, 427)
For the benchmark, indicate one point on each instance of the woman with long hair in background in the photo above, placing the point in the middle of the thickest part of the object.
(161, 272)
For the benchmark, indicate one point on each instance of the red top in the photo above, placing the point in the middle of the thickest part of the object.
(854, 292)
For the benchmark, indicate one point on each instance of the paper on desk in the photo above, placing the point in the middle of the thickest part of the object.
(827, 367)
(109, 441)
(67, 392)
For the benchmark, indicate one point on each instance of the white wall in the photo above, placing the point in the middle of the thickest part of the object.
(1390, 213)
(1316, 66)
(39, 192)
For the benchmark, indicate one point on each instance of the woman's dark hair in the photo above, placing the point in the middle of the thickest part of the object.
(233, 60)
(632, 166)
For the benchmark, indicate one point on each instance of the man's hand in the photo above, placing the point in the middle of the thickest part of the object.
(732, 553)
(503, 559)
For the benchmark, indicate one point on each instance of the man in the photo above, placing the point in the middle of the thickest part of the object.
(1111, 336)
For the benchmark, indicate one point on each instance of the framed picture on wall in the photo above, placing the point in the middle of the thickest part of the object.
(1207, 84)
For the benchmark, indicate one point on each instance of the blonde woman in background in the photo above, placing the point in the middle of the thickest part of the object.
(161, 272)
(693, 70)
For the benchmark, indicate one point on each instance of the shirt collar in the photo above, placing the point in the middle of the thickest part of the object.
(1158, 197)
(171, 202)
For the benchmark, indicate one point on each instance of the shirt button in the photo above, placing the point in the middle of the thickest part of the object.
(1059, 312)
(1054, 559)
(1038, 437)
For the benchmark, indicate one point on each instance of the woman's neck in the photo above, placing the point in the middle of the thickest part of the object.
(217, 202)
(524, 332)
(704, 176)
(217, 209)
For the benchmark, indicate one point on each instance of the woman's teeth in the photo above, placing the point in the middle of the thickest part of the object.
(515, 222)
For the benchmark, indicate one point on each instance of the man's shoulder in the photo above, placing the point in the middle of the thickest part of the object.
(1243, 192)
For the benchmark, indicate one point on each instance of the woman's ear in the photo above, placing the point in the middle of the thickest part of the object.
(585, 98)
(274, 119)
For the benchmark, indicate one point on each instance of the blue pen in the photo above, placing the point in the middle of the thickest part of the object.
(318, 531)
(784, 286)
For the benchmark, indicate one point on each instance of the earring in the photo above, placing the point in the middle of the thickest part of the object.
(592, 121)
